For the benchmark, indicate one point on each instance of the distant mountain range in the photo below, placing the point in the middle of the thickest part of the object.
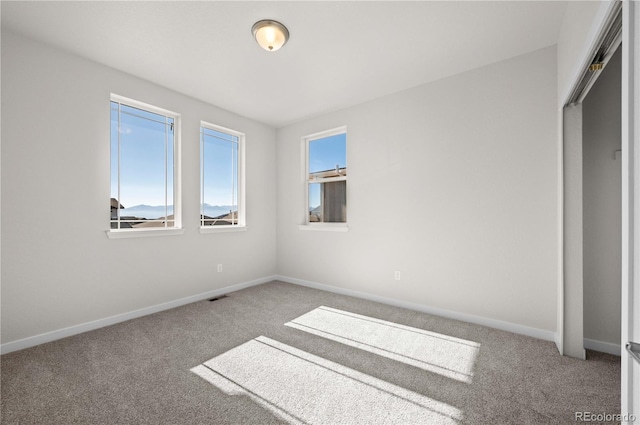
(151, 212)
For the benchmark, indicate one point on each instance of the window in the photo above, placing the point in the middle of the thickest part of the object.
(221, 174)
(326, 177)
(144, 187)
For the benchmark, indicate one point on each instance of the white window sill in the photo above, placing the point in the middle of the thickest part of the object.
(325, 227)
(142, 233)
(222, 229)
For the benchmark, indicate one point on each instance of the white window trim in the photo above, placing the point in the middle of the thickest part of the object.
(306, 225)
(143, 233)
(222, 229)
(325, 227)
(177, 176)
(242, 221)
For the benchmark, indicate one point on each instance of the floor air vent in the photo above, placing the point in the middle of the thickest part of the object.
(217, 298)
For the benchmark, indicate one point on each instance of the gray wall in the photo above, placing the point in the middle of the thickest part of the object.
(453, 183)
(602, 205)
(59, 269)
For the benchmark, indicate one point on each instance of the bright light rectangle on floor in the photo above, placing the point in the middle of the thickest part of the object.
(302, 388)
(431, 351)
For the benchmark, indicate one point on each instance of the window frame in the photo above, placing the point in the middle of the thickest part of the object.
(177, 228)
(306, 140)
(240, 169)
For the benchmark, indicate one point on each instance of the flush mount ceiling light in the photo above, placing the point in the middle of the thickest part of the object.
(270, 35)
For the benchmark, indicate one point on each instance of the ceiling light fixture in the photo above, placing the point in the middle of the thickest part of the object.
(270, 35)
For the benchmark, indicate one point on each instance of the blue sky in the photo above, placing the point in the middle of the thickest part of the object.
(326, 153)
(219, 159)
(142, 157)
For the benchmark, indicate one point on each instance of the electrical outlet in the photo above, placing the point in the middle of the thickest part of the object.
(396, 275)
(219, 268)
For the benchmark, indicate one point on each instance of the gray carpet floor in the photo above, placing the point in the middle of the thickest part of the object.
(235, 361)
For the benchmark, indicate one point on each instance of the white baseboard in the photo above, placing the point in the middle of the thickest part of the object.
(492, 323)
(478, 320)
(603, 347)
(107, 321)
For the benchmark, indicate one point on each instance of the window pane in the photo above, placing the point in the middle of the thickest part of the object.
(170, 200)
(328, 156)
(115, 210)
(328, 202)
(142, 163)
(142, 172)
(219, 168)
(315, 203)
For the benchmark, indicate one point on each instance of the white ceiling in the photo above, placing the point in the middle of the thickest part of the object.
(340, 53)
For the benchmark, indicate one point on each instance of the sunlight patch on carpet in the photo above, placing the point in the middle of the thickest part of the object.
(431, 351)
(302, 388)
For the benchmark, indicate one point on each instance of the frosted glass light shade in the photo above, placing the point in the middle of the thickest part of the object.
(270, 35)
